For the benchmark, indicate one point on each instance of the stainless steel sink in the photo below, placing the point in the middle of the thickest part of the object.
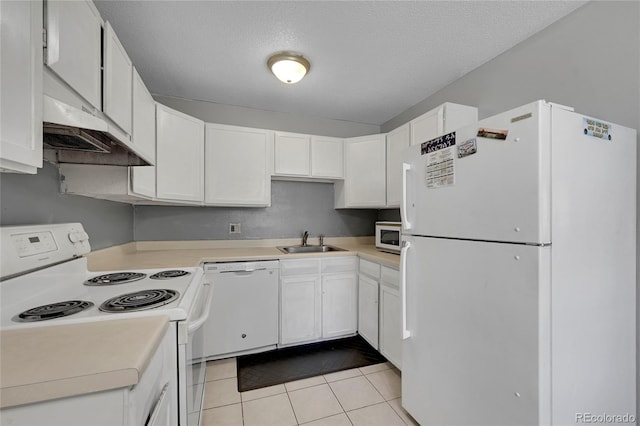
(308, 249)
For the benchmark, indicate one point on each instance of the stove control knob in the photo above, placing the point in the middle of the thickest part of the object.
(74, 237)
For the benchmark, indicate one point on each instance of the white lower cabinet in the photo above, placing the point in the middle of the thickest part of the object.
(390, 316)
(339, 304)
(300, 308)
(368, 309)
(317, 299)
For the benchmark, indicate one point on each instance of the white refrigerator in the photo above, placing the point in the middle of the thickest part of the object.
(518, 272)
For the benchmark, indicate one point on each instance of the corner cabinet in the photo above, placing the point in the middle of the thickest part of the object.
(441, 120)
(397, 141)
(317, 299)
(364, 184)
(179, 156)
(237, 166)
(21, 86)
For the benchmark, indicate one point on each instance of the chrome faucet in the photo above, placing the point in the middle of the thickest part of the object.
(321, 240)
(305, 236)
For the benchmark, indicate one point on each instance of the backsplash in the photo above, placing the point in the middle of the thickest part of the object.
(36, 199)
(295, 207)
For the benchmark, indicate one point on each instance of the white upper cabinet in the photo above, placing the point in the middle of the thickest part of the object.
(364, 184)
(397, 141)
(292, 154)
(308, 156)
(143, 178)
(21, 86)
(441, 120)
(238, 166)
(327, 157)
(144, 119)
(179, 156)
(118, 77)
(74, 53)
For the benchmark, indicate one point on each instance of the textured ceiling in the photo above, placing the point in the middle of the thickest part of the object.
(370, 60)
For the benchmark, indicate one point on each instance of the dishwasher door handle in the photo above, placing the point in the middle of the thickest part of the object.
(243, 271)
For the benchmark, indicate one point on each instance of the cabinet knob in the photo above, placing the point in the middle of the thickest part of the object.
(244, 335)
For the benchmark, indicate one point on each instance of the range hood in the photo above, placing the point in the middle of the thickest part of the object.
(73, 135)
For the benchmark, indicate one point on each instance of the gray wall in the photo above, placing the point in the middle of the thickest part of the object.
(589, 60)
(249, 117)
(295, 207)
(36, 199)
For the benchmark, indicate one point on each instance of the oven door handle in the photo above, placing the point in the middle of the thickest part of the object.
(193, 326)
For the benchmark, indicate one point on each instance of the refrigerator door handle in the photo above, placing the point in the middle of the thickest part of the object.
(403, 287)
(405, 216)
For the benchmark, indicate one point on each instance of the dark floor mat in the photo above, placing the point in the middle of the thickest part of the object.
(300, 362)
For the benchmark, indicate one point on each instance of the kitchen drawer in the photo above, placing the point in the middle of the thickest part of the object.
(370, 268)
(340, 264)
(299, 267)
(389, 277)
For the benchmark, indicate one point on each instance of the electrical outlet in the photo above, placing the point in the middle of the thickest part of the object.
(234, 228)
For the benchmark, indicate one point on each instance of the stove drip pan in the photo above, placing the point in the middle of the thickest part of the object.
(139, 300)
(115, 278)
(53, 311)
(173, 273)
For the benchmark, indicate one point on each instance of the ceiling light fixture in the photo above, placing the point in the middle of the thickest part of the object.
(288, 67)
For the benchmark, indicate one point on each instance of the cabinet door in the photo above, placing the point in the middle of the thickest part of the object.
(179, 156)
(300, 308)
(397, 141)
(237, 162)
(327, 157)
(21, 86)
(117, 79)
(391, 325)
(292, 154)
(143, 178)
(365, 172)
(74, 49)
(339, 304)
(368, 310)
(427, 126)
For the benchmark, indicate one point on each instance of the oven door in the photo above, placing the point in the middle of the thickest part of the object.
(191, 362)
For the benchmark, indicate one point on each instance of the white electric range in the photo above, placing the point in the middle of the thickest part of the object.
(45, 282)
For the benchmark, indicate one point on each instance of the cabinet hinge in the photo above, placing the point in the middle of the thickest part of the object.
(44, 38)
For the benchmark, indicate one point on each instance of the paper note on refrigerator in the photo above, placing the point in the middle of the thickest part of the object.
(440, 163)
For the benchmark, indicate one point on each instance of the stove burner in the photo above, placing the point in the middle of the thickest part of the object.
(139, 300)
(115, 278)
(165, 275)
(52, 311)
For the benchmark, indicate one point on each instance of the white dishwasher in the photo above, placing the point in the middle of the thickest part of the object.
(244, 309)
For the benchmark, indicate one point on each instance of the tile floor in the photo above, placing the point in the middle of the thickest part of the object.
(368, 396)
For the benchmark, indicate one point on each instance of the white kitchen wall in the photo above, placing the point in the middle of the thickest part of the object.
(295, 207)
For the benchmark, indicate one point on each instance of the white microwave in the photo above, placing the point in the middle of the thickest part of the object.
(388, 236)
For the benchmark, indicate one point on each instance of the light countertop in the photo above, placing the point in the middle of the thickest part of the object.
(43, 363)
(176, 254)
